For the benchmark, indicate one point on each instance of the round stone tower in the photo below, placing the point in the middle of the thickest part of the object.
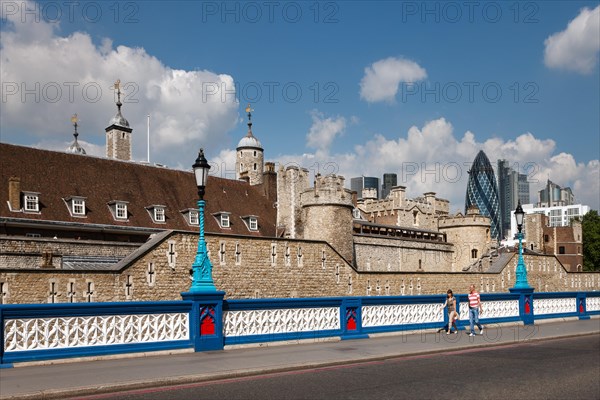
(249, 160)
(470, 234)
(327, 214)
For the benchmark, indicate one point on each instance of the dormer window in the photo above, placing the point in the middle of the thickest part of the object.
(223, 218)
(191, 216)
(356, 214)
(251, 222)
(121, 209)
(118, 210)
(224, 221)
(157, 213)
(31, 201)
(76, 206)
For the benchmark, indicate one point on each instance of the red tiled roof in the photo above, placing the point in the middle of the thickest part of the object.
(57, 176)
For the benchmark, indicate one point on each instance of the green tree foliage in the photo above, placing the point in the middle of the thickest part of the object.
(590, 226)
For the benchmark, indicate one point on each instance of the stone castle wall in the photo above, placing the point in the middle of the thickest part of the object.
(398, 255)
(40, 252)
(247, 267)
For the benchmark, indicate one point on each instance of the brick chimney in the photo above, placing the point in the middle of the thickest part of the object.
(14, 193)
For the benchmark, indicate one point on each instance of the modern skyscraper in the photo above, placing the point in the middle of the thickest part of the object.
(389, 181)
(553, 195)
(482, 192)
(364, 182)
(512, 188)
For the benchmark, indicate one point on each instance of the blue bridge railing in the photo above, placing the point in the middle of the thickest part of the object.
(34, 332)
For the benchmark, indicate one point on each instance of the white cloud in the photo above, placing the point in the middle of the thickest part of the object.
(382, 78)
(70, 74)
(324, 130)
(434, 158)
(577, 47)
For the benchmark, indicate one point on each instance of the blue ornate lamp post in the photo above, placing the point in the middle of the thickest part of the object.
(202, 281)
(521, 282)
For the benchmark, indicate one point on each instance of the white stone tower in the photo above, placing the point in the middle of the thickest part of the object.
(249, 161)
(118, 133)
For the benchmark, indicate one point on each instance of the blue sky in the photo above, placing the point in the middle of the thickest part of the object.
(352, 87)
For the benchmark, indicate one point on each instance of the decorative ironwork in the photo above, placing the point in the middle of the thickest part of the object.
(399, 314)
(64, 332)
(592, 304)
(554, 306)
(494, 309)
(261, 322)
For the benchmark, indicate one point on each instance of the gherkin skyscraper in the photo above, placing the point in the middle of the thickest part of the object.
(482, 192)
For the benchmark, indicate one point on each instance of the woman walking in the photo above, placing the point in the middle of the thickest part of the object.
(450, 304)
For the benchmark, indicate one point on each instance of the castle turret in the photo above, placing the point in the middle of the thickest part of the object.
(118, 133)
(470, 234)
(249, 162)
(327, 214)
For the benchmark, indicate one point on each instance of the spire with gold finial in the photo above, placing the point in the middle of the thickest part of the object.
(118, 119)
(249, 112)
(75, 147)
(249, 141)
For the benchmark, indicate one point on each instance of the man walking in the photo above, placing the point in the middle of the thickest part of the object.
(474, 310)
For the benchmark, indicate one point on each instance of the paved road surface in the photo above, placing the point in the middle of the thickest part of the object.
(550, 369)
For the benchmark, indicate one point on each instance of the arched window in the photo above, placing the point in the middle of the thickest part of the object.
(474, 253)
(255, 166)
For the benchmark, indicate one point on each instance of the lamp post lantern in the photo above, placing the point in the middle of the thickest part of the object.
(521, 272)
(202, 281)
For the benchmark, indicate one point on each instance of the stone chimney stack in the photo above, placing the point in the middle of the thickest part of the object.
(14, 193)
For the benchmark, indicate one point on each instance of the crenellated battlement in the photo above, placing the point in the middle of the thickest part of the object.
(464, 220)
(328, 190)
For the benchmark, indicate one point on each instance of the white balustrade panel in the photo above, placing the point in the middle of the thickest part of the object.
(592, 304)
(554, 306)
(399, 314)
(67, 332)
(285, 320)
(493, 309)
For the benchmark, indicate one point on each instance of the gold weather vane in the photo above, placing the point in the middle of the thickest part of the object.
(118, 89)
(74, 119)
(248, 109)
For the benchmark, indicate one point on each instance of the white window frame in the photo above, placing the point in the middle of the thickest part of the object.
(253, 223)
(224, 221)
(121, 208)
(193, 217)
(32, 199)
(159, 214)
(77, 203)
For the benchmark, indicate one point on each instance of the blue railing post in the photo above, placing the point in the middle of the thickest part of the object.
(2, 363)
(582, 305)
(351, 318)
(206, 320)
(526, 312)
